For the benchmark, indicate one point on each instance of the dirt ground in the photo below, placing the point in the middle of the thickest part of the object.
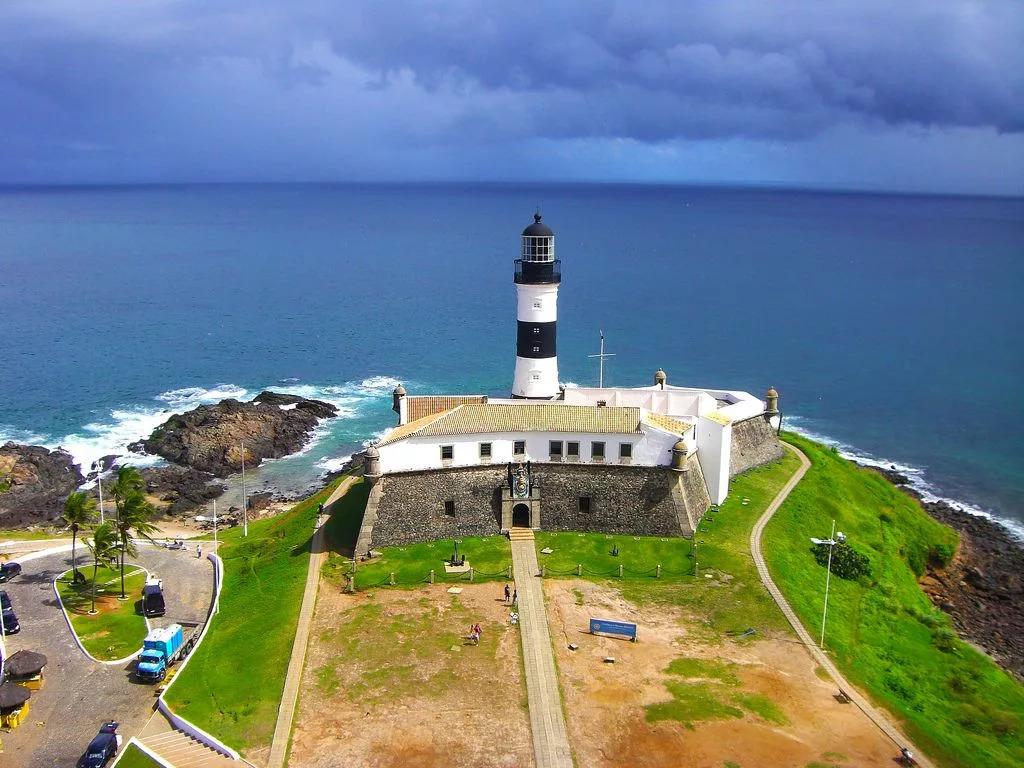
(391, 681)
(606, 703)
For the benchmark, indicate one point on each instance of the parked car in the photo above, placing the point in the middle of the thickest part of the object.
(103, 747)
(11, 625)
(8, 571)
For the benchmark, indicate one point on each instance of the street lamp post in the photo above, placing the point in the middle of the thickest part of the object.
(831, 541)
(245, 511)
(98, 466)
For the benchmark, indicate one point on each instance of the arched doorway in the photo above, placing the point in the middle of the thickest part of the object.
(521, 516)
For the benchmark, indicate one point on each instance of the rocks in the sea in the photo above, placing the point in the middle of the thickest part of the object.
(210, 438)
(34, 482)
(181, 489)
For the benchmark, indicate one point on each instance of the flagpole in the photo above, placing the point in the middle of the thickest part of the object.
(601, 356)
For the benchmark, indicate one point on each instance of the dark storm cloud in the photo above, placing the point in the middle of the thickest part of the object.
(162, 81)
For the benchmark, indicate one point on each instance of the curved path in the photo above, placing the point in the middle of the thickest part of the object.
(877, 717)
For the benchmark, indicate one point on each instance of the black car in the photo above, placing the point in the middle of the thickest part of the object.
(103, 747)
(8, 571)
(11, 625)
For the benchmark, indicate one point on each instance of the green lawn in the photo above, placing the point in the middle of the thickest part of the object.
(19, 535)
(133, 757)
(882, 630)
(232, 686)
(118, 629)
(733, 599)
(490, 557)
(639, 556)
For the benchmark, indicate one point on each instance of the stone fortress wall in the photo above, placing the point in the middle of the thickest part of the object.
(649, 501)
(753, 443)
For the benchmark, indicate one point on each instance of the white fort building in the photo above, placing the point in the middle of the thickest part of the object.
(645, 460)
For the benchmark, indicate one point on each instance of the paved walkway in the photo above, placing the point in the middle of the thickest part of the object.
(550, 741)
(877, 717)
(290, 695)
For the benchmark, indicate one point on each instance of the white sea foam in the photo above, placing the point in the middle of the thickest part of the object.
(186, 399)
(21, 436)
(916, 476)
(333, 463)
(570, 385)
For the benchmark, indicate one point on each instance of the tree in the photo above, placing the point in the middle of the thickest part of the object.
(133, 516)
(79, 512)
(104, 552)
(128, 479)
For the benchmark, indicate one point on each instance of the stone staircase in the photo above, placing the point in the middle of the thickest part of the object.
(182, 751)
(520, 534)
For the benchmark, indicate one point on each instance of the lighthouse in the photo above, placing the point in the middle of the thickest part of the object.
(537, 276)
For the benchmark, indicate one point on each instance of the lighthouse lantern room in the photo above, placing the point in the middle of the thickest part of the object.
(538, 274)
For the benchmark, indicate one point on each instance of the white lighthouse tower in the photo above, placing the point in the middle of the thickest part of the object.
(538, 274)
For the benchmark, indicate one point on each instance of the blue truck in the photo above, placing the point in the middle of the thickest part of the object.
(161, 648)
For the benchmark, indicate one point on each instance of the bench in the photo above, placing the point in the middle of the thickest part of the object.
(609, 627)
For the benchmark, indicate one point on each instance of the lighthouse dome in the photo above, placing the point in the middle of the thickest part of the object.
(537, 229)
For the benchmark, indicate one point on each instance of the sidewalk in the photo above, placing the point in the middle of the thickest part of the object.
(550, 740)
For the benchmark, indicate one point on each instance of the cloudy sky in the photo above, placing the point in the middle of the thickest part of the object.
(882, 94)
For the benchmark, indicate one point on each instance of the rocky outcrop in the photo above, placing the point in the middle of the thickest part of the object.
(210, 437)
(981, 589)
(180, 489)
(34, 482)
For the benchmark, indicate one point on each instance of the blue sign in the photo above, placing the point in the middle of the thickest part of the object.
(613, 627)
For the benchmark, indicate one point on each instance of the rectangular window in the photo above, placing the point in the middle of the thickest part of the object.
(536, 330)
(449, 508)
(625, 450)
(597, 451)
(519, 447)
(555, 448)
(536, 349)
(447, 452)
(536, 305)
(585, 504)
(485, 450)
(572, 449)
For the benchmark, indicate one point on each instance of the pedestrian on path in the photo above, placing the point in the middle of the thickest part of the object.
(199, 550)
(515, 598)
(508, 593)
(474, 634)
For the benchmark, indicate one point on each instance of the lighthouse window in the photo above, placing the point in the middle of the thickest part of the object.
(536, 329)
(536, 305)
(447, 452)
(536, 349)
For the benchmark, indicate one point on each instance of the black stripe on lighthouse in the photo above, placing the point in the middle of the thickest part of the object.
(536, 340)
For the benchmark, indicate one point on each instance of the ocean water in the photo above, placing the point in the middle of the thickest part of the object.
(890, 324)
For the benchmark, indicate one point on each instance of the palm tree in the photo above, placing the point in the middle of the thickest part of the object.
(133, 513)
(79, 511)
(104, 552)
(128, 479)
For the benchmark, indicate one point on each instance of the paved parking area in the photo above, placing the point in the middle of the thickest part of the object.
(78, 694)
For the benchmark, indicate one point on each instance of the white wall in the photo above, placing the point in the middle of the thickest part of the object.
(715, 442)
(653, 448)
(546, 371)
(528, 295)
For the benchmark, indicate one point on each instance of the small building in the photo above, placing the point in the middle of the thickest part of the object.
(645, 460)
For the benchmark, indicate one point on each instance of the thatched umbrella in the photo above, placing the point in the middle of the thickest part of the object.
(25, 664)
(13, 695)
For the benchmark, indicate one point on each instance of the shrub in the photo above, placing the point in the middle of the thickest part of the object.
(945, 640)
(847, 563)
(940, 555)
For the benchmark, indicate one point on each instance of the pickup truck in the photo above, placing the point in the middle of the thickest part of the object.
(153, 597)
(162, 648)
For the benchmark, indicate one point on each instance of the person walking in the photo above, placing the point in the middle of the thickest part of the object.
(515, 598)
(199, 550)
(508, 593)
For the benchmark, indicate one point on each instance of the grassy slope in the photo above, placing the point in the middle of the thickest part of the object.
(133, 757)
(639, 556)
(232, 686)
(118, 629)
(883, 632)
(735, 599)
